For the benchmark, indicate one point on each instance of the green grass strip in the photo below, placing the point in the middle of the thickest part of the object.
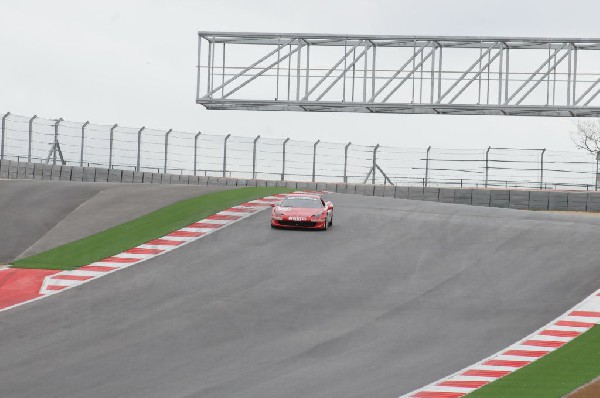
(143, 229)
(553, 375)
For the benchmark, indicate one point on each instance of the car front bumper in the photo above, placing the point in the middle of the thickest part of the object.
(320, 224)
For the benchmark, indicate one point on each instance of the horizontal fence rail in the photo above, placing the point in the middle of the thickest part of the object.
(57, 141)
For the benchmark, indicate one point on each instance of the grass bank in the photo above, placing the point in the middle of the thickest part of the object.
(143, 229)
(553, 375)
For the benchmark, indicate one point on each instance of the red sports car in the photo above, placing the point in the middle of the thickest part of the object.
(302, 211)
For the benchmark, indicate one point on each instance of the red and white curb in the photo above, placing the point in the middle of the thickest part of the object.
(554, 335)
(21, 286)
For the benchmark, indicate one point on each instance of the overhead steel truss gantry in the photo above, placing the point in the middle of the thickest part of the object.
(399, 74)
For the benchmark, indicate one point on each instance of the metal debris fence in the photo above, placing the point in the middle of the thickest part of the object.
(58, 141)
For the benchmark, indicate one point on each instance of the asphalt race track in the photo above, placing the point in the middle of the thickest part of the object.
(395, 295)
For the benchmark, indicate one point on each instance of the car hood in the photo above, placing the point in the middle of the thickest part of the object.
(298, 212)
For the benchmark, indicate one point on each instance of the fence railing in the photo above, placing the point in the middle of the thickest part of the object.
(59, 141)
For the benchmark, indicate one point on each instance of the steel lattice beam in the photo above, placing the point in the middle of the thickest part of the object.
(399, 74)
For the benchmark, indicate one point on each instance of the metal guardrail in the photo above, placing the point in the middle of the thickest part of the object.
(36, 139)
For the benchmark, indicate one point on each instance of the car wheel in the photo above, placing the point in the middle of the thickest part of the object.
(325, 225)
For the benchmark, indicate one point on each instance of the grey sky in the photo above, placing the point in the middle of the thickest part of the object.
(133, 63)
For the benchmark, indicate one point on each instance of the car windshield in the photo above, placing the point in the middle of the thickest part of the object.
(302, 202)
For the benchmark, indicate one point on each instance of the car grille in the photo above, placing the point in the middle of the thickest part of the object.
(298, 223)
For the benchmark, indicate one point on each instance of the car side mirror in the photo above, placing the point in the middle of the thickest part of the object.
(329, 206)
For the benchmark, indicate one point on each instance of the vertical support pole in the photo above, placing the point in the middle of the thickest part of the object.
(298, 69)
(569, 76)
(440, 75)
(314, 159)
(82, 142)
(412, 78)
(374, 163)
(507, 75)
(208, 67)
(283, 162)
(420, 84)
(289, 77)
(542, 169)
(500, 63)
(307, 68)
(427, 166)
(432, 88)
(365, 73)
(55, 144)
(225, 154)
(212, 66)
(574, 72)
(487, 165)
(548, 74)
(139, 150)
(196, 151)
(3, 135)
(345, 67)
(254, 157)
(373, 69)
(353, 72)
(346, 162)
(198, 67)
(30, 138)
(223, 73)
(110, 146)
(278, 63)
(166, 149)
(479, 76)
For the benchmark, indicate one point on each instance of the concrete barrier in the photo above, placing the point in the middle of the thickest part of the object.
(558, 201)
(4, 166)
(463, 197)
(481, 197)
(538, 200)
(519, 200)
(577, 201)
(500, 198)
(401, 193)
(514, 199)
(431, 194)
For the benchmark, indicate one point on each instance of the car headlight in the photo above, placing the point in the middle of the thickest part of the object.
(318, 215)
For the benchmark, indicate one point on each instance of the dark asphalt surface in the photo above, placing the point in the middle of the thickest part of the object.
(396, 295)
(40, 215)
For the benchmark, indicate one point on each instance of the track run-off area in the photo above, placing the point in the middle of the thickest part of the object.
(396, 295)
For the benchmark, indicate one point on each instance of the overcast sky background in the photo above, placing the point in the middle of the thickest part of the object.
(134, 63)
